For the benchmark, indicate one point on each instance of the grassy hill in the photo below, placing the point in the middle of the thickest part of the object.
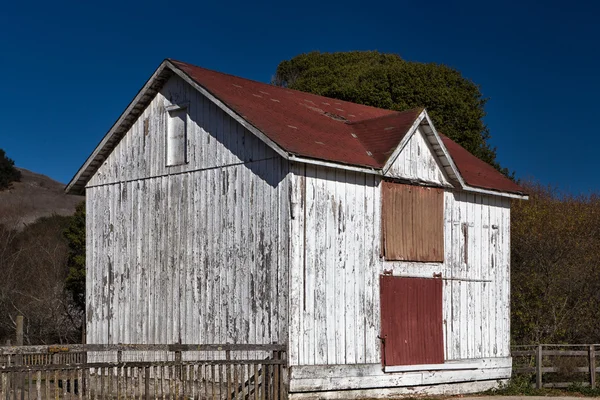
(34, 197)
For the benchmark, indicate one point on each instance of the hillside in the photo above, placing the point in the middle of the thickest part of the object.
(34, 197)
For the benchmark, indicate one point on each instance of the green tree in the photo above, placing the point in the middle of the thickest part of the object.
(8, 172)
(75, 235)
(455, 103)
(555, 267)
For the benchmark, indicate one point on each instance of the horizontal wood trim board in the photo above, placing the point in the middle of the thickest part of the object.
(429, 367)
(401, 392)
(136, 364)
(579, 353)
(526, 370)
(397, 380)
(360, 370)
(138, 347)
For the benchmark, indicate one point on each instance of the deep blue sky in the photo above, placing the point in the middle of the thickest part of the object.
(70, 68)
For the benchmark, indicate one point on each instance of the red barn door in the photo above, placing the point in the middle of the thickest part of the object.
(411, 321)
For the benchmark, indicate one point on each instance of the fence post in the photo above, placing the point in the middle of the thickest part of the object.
(19, 330)
(147, 383)
(20, 376)
(592, 367)
(277, 358)
(284, 378)
(178, 361)
(538, 367)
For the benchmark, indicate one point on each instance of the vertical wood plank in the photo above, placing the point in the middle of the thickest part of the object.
(38, 384)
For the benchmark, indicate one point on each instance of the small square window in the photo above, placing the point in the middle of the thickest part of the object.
(176, 135)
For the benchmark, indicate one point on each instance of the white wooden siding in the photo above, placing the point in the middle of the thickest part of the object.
(199, 252)
(335, 265)
(417, 162)
(214, 140)
(363, 376)
(195, 253)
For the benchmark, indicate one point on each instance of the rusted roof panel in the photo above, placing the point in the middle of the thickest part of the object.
(381, 136)
(477, 173)
(301, 123)
(322, 128)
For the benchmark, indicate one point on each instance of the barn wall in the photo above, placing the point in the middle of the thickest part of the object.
(334, 301)
(416, 162)
(196, 253)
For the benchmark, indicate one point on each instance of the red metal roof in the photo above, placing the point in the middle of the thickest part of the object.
(477, 173)
(301, 123)
(322, 128)
(382, 135)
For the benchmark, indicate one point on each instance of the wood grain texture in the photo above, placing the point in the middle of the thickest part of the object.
(417, 162)
(403, 391)
(475, 300)
(413, 222)
(356, 377)
(193, 253)
(239, 245)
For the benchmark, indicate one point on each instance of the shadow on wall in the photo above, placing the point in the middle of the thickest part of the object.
(253, 153)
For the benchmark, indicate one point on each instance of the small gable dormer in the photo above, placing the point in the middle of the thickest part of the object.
(417, 162)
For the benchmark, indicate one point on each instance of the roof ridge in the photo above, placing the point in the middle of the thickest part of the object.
(294, 91)
(172, 60)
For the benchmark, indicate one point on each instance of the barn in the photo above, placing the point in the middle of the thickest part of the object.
(224, 210)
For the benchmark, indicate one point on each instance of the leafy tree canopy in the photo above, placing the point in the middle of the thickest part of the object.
(8, 172)
(455, 103)
(75, 235)
(555, 267)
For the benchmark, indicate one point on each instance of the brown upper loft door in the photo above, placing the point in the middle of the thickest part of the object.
(411, 321)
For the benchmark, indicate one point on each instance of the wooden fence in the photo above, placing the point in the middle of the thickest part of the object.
(557, 366)
(229, 372)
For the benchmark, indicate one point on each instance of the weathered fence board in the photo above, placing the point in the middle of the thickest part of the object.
(550, 359)
(218, 372)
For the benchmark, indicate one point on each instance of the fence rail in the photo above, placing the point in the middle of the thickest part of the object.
(176, 372)
(557, 366)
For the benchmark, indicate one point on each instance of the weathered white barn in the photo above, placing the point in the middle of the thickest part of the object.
(223, 210)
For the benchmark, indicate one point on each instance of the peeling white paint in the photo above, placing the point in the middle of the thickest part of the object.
(193, 253)
(240, 245)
